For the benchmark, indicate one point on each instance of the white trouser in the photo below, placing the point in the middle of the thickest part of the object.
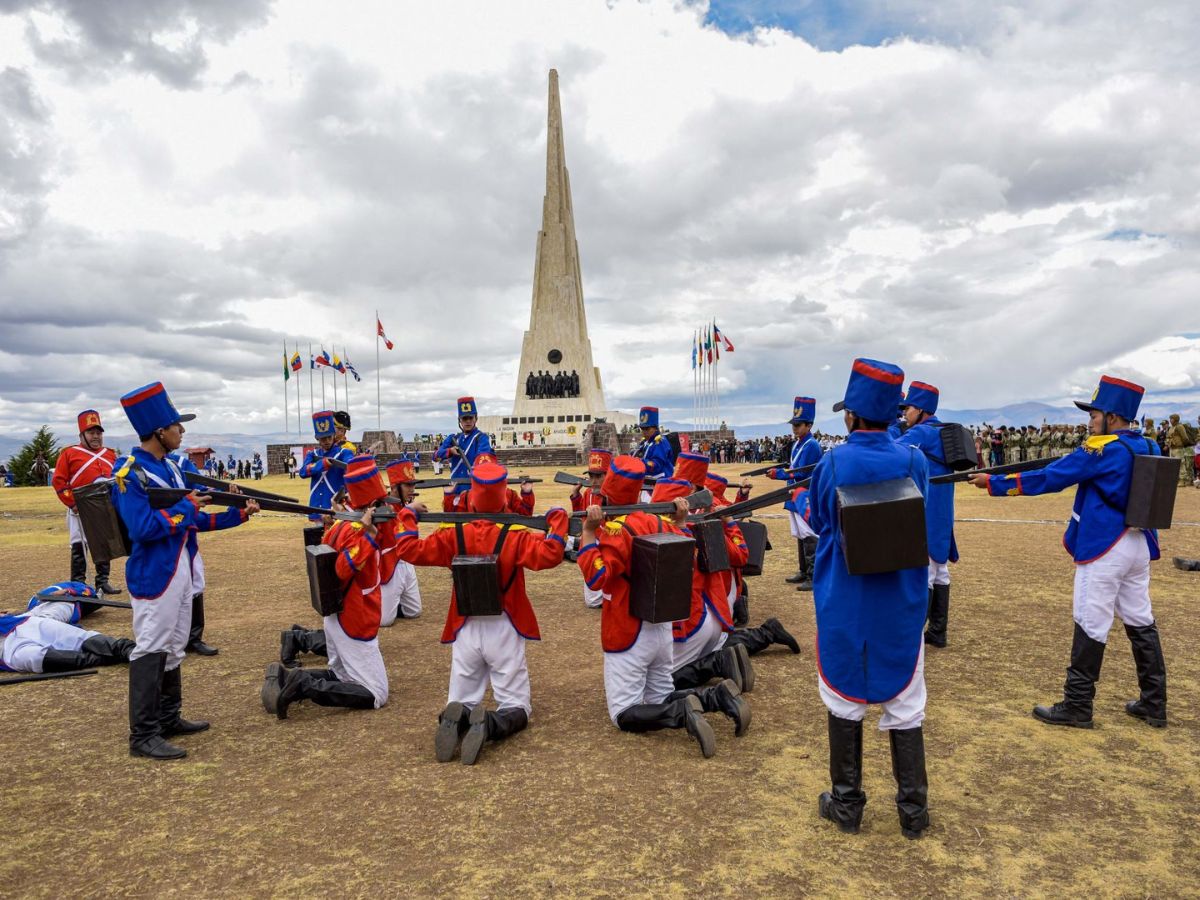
(799, 527)
(161, 625)
(593, 599)
(708, 637)
(198, 581)
(641, 674)
(488, 649)
(26, 645)
(732, 595)
(1116, 583)
(74, 529)
(905, 710)
(939, 573)
(61, 611)
(643, 496)
(356, 661)
(400, 594)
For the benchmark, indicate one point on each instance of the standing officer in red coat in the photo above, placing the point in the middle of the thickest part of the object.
(486, 649)
(77, 466)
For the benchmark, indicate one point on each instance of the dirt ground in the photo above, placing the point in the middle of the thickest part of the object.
(349, 803)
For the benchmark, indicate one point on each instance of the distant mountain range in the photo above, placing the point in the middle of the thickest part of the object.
(243, 446)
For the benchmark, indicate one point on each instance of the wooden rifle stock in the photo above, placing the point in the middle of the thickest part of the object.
(802, 470)
(208, 481)
(698, 500)
(746, 507)
(573, 480)
(165, 498)
(48, 676)
(1009, 469)
(516, 479)
(538, 523)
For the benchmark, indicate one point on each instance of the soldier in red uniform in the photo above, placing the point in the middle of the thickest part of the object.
(519, 504)
(638, 655)
(356, 677)
(486, 649)
(78, 466)
(582, 497)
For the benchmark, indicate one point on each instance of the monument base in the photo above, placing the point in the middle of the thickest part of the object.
(560, 424)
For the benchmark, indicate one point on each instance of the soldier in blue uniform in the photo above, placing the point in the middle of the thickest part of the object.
(869, 647)
(460, 449)
(1112, 561)
(321, 466)
(654, 449)
(806, 451)
(923, 431)
(160, 571)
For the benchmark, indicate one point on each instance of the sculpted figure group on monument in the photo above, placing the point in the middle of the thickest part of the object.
(543, 385)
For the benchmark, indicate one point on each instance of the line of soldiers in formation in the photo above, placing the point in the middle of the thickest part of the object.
(657, 675)
(543, 385)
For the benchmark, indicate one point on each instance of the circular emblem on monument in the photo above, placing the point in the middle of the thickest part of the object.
(555, 357)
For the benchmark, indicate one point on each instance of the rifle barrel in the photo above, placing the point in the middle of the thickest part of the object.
(164, 498)
(48, 676)
(697, 500)
(208, 481)
(536, 522)
(1008, 469)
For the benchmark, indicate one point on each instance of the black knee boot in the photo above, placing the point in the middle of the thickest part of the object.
(756, 640)
(323, 688)
(170, 704)
(103, 570)
(844, 803)
(65, 661)
(1075, 709)
(723, 663)
(912, 786)
(107, 651)
(299, 639)
(801, 569)
(78, 563)
(145, 690)
(490, 726)
(683, 712)
(741, 607)
(1151, 673)
(724, 698)
(808, 546)
(196, 635)
(939, 615)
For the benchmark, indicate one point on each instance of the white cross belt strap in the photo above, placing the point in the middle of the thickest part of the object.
(99, 454)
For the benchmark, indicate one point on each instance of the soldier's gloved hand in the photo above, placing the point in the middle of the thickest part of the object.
(252, 508)
(419, 508)
(979, 481)
(772, 473)
(526, 485)
(681, 511)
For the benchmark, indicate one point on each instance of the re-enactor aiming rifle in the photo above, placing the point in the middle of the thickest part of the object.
(581, 481)
(165, 498)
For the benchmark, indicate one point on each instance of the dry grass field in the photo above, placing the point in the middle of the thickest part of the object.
(337, 803)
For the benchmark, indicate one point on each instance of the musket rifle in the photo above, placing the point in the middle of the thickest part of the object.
(165, 498)
(208, 481)
(48, 676)
(763, 470)
(745, 507)
(698, 500)
(1009, 469)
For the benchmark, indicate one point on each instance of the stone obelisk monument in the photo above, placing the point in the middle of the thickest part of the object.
(557, 339)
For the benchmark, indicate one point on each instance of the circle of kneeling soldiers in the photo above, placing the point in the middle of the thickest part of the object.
(657, 675)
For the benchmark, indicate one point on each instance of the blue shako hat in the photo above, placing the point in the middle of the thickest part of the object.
(149, 409)
(804, 410)
(648, 417)
(873, 391)
(1114, 395)
(323, 423)
(923, 396)
(467, 407)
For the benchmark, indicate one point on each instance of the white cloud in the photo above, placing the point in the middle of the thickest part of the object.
(186, 190)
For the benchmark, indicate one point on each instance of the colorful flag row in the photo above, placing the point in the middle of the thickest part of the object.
(295, 364)
(707, 342)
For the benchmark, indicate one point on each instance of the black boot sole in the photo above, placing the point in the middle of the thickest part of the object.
(824, 805)
(475, 737)
(1149, 720)
(445, 742)
(1046, 719)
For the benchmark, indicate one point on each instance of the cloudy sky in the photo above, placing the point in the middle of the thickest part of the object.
(1002, 198)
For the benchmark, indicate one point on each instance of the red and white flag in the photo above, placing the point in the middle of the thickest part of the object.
(379, 331)
(721, 337)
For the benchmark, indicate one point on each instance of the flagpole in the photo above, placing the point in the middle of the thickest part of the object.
(333, 378)
(298, 393)
(378, 406)
(287, 367)
(312, 406)
(347, 377)
(324, 405)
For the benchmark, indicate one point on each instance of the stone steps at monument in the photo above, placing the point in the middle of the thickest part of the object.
(517, 457)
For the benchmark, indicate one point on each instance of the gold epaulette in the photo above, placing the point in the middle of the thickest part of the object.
(123, 473)
(1097, 442)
